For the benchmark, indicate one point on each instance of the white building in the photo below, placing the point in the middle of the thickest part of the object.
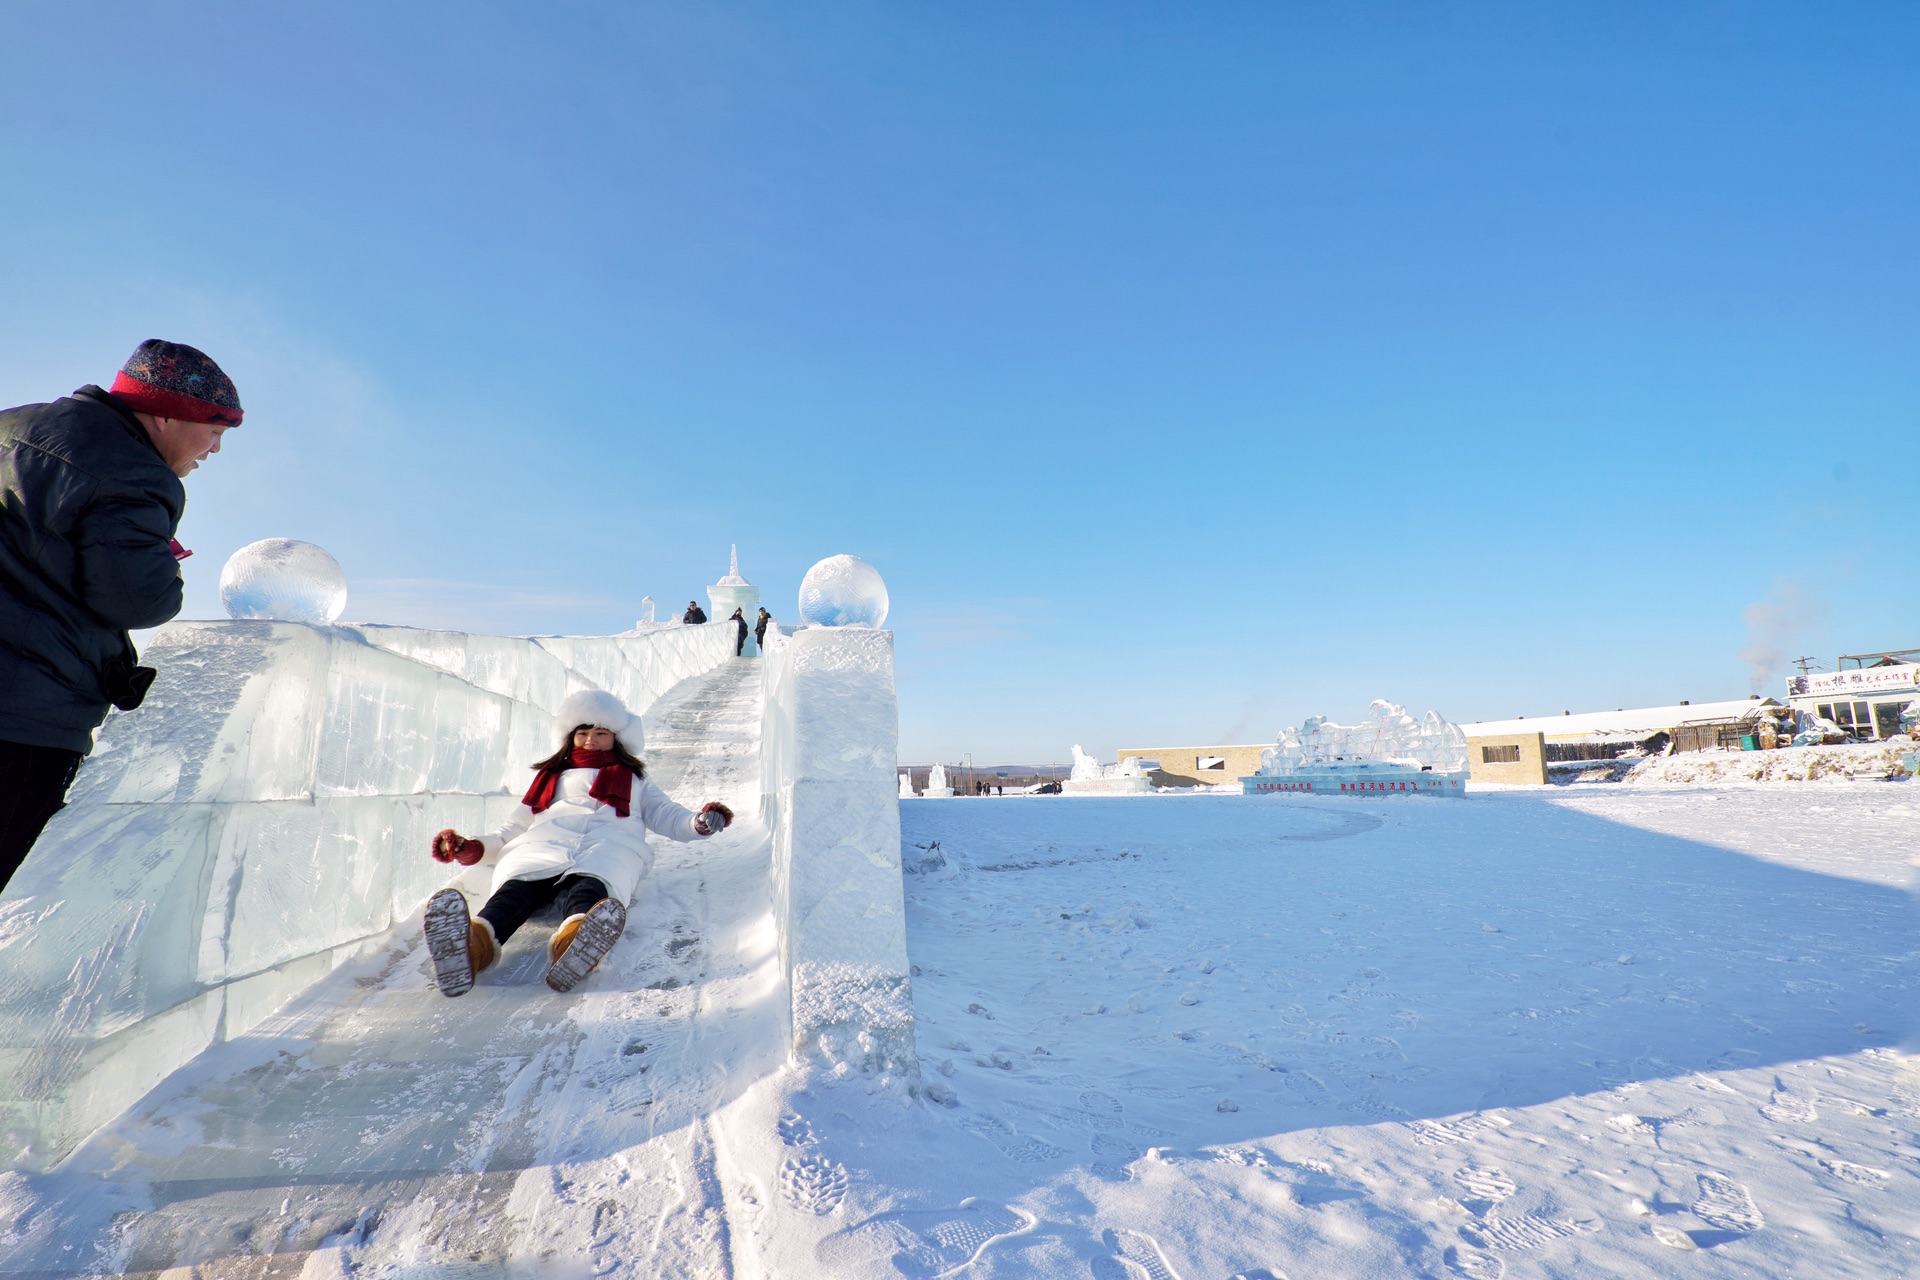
(1865, 696)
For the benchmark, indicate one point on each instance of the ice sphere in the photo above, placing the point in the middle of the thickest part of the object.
(843, 591)
(283, 579)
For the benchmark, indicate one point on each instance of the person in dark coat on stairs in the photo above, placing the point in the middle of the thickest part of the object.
(760, 628)
(740, 633)
(90, 500)
(694, 613)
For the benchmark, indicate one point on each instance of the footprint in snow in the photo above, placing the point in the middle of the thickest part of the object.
(1473, 1264)
(1141, 1253)
(1015, 1147)
(1859, 1175)
(921, 1242)
(1432, 1133)
(1107, 1145)
(813, 1184)
(1527, 1231)
(1726, 1205)
(1790, 1108)
(1486, 1187)
(796, 1130)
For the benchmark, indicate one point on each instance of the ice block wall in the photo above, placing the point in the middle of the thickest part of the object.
(830, 746)
(263, 818)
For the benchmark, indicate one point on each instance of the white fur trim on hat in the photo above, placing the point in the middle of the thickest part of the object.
(603, 711)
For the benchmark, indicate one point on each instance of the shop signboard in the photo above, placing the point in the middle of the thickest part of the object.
(1862, 681)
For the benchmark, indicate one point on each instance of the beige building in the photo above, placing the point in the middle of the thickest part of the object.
(1508, 757)
(1524, 749)
(1199, 766)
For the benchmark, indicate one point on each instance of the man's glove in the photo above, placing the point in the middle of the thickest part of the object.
(713, 818)
(451, 846)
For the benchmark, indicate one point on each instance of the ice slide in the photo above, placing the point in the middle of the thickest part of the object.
(369, 1121)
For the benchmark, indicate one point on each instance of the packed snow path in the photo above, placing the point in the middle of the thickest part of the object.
(373, 1123)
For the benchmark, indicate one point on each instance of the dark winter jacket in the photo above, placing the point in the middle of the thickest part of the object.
(760, 627)
(694, 613)
(88, 509)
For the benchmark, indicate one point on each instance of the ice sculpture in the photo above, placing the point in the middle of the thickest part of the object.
(1391, 752)
(830, 739)
(843, 591)
(646, 612)
(285, 580)
(937, 787)
(259, 822)
(1088, 769)
(735, 592)
(1092, 775)
(906, 786)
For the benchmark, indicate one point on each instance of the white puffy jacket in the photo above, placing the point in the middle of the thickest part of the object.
(579, 834)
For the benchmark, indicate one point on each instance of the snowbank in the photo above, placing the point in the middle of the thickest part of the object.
(1866, 760)
(259, 821)
(830, 746)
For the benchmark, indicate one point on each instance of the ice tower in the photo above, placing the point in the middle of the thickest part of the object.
(735, 592)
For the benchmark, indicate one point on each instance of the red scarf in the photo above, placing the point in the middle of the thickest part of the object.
(613, 785)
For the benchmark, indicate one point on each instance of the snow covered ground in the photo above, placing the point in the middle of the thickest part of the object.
(1613, 1032)
(1593, 1032)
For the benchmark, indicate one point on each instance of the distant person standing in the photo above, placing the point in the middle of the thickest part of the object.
(694, 613)
(760, 628)
(90, 498)
(739, 622)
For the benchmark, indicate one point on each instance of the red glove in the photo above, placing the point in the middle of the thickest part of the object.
(451, 846)
(713, 818)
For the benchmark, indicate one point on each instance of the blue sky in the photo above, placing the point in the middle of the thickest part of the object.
(1187, 370)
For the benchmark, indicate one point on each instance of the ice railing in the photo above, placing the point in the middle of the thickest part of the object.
(260, 820)
(829, 751)
(1390, 735)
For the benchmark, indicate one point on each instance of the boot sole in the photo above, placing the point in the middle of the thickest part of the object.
(600, 928)
(446, 928)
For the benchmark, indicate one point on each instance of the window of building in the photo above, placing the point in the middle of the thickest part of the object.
(1500, 755)
(1212, 762)
(1855, 717)
(1886, 717)
(1824, 711)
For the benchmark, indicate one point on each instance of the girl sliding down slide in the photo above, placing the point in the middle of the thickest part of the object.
(579, 836)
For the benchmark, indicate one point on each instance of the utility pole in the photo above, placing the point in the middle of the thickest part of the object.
(1804, 663)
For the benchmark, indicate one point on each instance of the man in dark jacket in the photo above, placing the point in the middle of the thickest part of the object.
(760, 628)
(90, 498)
(694, 613)
(740, 633)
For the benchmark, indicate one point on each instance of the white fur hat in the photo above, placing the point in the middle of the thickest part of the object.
(603, 711)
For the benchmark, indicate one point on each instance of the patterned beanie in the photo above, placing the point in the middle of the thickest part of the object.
(172, 380)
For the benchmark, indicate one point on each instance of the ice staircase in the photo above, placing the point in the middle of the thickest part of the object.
(374, 1120)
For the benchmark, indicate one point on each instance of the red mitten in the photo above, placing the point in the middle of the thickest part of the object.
(451, 846)
(713, 818)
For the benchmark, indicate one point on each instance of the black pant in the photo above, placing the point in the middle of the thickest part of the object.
(516, 900)
(33, 786)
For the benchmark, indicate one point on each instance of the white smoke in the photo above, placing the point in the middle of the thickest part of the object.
(1775, 628)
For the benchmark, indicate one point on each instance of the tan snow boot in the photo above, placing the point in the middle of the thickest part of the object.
(563, 938)
(481, 948)
(582, 941)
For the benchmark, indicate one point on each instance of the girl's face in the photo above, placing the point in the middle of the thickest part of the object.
(593, 739)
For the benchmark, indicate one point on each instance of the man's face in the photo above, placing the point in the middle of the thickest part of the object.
(184, 444)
